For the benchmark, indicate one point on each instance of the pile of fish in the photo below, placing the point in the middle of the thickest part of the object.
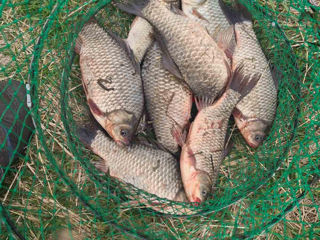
(206, 54)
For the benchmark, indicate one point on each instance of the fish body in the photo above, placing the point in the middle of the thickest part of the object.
(188, 44)
(207, 12)
(168, 100)
(255, 112)
(147, 168)
(204, 149)
(111, 81)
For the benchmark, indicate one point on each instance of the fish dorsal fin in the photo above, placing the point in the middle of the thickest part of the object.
(226, 41)
(124, 44)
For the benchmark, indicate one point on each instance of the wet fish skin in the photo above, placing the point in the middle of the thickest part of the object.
(207, 12)
(147, 168)
(255, 113)
(189, 45)
(168, 100)
(111, 81)
(204, 149)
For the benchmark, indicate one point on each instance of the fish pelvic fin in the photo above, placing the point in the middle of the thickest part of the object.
(203, 102)
(134, 7)
(241, 83)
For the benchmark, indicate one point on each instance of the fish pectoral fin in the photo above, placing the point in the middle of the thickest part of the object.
(170, 65)
(198, 15)
(102, 166)
(226, 41)
(178, 135)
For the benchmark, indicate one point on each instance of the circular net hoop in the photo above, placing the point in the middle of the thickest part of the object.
(53, 191)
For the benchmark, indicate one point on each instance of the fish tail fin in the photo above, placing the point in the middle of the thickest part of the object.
(241, 83)
(134, 7)
(232, 14)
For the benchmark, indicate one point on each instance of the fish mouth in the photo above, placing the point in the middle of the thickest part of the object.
(123, 143)
(253, 145)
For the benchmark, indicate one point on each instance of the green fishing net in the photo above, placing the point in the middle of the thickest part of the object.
(51, 189)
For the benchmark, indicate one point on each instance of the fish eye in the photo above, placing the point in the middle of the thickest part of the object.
(123, 132)
(258, 138)
(204, 193)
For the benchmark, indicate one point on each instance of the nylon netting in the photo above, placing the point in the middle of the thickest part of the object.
(53, 191)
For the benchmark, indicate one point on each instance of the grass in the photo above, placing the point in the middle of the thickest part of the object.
(43, 206)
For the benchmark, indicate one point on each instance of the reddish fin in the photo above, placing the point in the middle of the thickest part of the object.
(226, 42)
(94, 108)
(178, 135)
(203, 102)
(243, 84)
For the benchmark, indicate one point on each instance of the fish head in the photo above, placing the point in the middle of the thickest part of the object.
(254, 132)
(200, 187)
(121, 126)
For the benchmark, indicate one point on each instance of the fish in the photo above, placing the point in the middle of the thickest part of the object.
(189, 52)
(16, 123)
(255, 113)
(111, 81)
(147, 168)
(204, 148)
(168, 100)
(209, 13)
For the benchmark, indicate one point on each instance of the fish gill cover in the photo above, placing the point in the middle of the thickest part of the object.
(50, 188)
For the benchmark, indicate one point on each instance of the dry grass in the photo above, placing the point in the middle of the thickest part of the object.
(43, 206)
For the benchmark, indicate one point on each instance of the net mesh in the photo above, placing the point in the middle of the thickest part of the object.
(53, 191)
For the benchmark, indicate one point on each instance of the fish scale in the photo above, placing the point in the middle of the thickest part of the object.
(147, 168)
(187, 43)
(168, 99)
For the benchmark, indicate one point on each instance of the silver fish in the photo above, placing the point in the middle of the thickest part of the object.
(168, 100)
(204, 149)
(146, 168)
(255, 112)
(111, 80)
